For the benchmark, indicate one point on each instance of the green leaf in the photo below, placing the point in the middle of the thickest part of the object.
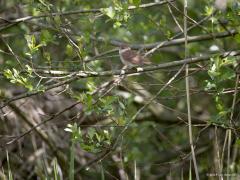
(237, 38)
(8, 73)
(91, 133)
(117, 24)
(208, 10)
(98, 137)
(69, 50)
(46, 37)
(15, 72)
(135, 2)
(29, 69)
(31, 42)
(47, 56)
(110, 12)
(15, 77)
(238, 142)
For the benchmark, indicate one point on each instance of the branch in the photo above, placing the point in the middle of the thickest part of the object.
(178, 41)
(87, 74)
(67, 13)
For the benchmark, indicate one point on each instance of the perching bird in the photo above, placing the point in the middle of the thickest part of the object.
(131, 58)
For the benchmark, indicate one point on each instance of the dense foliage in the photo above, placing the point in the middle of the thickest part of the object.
(69, 110)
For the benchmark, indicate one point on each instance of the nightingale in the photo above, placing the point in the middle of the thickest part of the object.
(131, 58)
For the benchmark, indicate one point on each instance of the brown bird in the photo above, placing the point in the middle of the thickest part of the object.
(131, 58)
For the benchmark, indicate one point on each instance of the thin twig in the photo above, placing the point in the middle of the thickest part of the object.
(188, 95)
(231, 122)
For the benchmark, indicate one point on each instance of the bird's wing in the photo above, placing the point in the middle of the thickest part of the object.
(132, 56)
